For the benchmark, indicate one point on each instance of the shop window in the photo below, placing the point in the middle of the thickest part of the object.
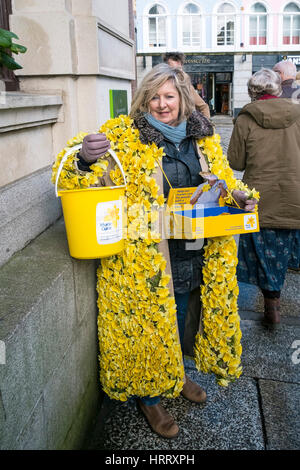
(157, 26)
(291, 24)
(191, 25)
(258, 25)
(223, 77)
(225, 25)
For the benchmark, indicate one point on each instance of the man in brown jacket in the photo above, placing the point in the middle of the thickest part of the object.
(176, 59)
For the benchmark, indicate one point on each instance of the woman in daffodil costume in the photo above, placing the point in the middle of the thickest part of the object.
(146, 292)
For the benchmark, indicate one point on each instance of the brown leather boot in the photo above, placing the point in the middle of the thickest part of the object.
(160, 421)
(272, 311)
(193, 392)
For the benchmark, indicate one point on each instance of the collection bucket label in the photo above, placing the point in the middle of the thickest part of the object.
(109, 222)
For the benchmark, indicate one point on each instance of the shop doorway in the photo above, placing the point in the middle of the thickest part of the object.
(223, 92)
(216, 90)
(222, 98)
(203, 84)
(199, 82)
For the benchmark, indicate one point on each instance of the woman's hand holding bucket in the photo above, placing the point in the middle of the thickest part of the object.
(94, 146)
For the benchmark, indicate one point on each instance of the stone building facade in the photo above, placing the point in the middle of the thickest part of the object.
(78, 53)
(224, 41)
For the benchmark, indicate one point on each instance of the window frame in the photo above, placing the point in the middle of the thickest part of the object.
(290, 46)
(180, 16)
(236, 27)
(146, 29)
(268, 26)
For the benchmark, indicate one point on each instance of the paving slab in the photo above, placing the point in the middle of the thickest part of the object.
(251, 298)
(230, 420)
(224, 128)
(268, 353)
(281, 411)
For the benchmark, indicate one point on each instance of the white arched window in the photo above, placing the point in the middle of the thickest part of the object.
(225, 25)
(157, 26)
(291, 24)
(258, 25)
(191, 25)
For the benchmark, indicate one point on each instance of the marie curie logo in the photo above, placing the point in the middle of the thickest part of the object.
(109, 222)
(2, 352)
(250, 222)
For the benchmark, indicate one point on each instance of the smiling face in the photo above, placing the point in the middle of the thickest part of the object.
(165, 104)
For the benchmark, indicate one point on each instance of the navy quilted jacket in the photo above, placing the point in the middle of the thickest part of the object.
(182, 168)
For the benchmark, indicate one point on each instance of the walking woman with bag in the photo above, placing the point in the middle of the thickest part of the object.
(265, 144)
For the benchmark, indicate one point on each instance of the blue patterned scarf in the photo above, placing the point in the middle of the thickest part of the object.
(173, 133)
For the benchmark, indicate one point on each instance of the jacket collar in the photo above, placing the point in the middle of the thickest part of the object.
(288, 82)
(197, 126)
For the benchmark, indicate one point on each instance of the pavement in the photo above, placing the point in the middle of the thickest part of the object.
(260, 411)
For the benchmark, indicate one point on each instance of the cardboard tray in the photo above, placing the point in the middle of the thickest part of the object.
(184, 221)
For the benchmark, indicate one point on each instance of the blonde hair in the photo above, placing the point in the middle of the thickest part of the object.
(151, 83)
(265, 81)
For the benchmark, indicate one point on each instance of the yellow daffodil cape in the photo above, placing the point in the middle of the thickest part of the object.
(140, 353)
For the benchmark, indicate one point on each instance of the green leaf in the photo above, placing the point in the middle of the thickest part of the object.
(154, 281)
(7, 34)
(8, 61)
(5, 42)
(16, 48)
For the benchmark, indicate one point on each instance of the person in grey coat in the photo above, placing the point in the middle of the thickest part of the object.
(287, 71)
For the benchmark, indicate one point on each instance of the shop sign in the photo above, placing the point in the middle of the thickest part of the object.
(264, 60)
(209, 63)
(294, 58)
(118, 102)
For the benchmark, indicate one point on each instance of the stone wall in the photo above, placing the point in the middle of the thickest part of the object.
(27, 201)
(77, 51)
(49, 388)
(26, 131)
(27, 208)
(80, 49)
(144, 65)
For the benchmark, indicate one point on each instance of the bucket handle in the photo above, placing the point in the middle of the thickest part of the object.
(78, 147)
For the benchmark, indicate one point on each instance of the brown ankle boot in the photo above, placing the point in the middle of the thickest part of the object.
(160, 421)
(193, 392)
(272, 311)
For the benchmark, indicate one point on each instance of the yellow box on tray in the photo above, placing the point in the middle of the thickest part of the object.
(184, 221)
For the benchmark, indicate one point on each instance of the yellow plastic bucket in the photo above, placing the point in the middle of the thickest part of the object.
(94, 217)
